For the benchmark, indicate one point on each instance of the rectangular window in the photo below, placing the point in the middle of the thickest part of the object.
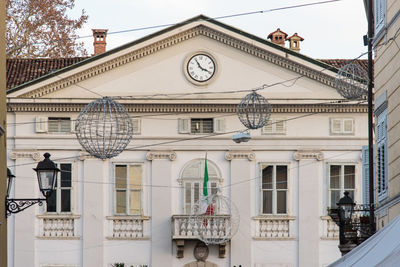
(60, 199)
(274, 189)
(342, 126)
(275, 126)
(194, 191)
(59, 125)
(128, 189)
(341, 179)
(200, 126)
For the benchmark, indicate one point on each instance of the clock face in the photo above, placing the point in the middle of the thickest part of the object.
(200, 68)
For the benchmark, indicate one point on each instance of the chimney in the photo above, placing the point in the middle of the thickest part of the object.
(294, 42)
(278, 37)
(99, 42)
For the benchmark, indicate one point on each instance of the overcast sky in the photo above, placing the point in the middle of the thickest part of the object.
(331, 30)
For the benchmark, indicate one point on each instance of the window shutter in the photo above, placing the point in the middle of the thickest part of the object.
(184, 126)
(268, 127)
(65, 126)
(336, 126)
(219, 125)
(365, 173)
(348, 125)
(380, 14)
(136, 125)
(280, 126)
(41, 124)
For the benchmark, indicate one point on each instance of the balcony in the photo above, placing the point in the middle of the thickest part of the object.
(58, 226)
(184, 229)
(330, 230)
(128, 227)
(274, 227)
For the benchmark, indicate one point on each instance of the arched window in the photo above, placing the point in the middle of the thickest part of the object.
(192, 178)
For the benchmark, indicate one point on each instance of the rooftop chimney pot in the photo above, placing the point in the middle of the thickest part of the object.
(99, 43)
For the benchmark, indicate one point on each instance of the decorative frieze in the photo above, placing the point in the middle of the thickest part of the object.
(20, 154)
(308, 154)
(231, 155)
(152, 155)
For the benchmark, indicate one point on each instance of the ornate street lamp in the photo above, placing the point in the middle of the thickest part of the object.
(345, 213)
(46, 172)
(346, 208)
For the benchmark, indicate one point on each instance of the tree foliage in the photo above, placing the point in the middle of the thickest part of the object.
(42, 28)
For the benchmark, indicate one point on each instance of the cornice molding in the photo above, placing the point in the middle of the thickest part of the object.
(190, 108)
(232, 155)
(308, 154)
(23, 154)
(153, 155)
(247, 47)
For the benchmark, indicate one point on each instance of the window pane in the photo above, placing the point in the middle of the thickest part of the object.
(281, 177)
(349, 177)
(335, 176)
(267, 202)
(135, 176)
(134, 203)
(208, 126)
(121, 201)
(195, 125)
(281, 199)
(65, 175)
(51, 202)
(351, 194)
(267, 177)
(213, 188)
(335, 196)
(197, 192)
(120, 176)
(66, 200)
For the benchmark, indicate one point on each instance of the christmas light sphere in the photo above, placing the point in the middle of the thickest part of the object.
(214, 219)
(104, 128)
(351, 82)
(253, 111)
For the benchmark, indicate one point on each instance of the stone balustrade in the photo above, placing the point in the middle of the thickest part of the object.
(184, 227)
(58, 226)
(127, 227)
(274, 227)
(330, 230)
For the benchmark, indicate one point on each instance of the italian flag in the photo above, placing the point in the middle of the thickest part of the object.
(208, 208)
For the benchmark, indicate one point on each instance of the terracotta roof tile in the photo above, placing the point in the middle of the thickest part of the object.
(338, 63)
(23, 70)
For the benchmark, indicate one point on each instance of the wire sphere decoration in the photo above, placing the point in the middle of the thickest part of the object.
(351, 82)
(214, 219)
(104, 128)
(254, 111)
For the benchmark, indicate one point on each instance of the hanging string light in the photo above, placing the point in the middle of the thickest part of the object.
(214, 219)
(104, 128)
(253, 111)
(351, 82)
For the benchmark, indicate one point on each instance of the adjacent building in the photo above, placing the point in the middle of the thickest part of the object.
(134, 209)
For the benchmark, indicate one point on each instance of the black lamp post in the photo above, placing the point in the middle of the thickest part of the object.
(345, 212)
(46, 172)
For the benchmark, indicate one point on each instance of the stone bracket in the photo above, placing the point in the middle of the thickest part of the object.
(308, 154)
(231, 155)
(152, 155)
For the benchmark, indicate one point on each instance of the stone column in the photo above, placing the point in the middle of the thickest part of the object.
(161, 211)
(241, 197)
(93, 217)
(309, 184)
(25, 222)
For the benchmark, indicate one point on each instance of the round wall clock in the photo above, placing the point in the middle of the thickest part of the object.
(200, 68)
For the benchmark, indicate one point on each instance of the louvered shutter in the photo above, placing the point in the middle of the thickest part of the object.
(336, 126)
(41, 124)
(380, 15)
(219, 125)
(136, 125)
(184, 125)
(365, 174)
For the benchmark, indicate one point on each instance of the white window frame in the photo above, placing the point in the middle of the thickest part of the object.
(272, 127)
(185, 126)
(186, 182)
(342, 188)
(274, 189)
(59, 189)
(129, 188)
(341, 130)
(58, 122)
(382, 156)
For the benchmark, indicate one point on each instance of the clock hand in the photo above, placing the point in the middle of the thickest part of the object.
(203, 69)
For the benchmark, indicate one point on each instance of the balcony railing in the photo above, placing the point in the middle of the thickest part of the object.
(128, 227)
(274, 227)
(330, 230)
(214, 226)
(58, 226)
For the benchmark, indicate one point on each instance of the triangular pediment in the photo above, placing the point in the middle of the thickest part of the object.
(154, 67)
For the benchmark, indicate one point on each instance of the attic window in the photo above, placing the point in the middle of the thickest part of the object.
(59, 125)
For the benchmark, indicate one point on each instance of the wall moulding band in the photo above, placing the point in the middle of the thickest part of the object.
(308, 154)
(153, 155)
(23, 154)
(231, 155)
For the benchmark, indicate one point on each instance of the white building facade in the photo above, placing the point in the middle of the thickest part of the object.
(133, 209)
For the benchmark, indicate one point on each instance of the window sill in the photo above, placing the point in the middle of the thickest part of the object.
(274, 217)
(58, 216)
(127, 217)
